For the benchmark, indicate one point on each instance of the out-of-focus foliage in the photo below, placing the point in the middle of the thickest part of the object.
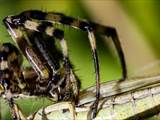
(146, 15)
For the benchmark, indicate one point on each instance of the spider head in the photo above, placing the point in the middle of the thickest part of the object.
(12, 24)
(18, 20)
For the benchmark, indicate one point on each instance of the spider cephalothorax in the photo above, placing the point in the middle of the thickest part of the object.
(34, 33)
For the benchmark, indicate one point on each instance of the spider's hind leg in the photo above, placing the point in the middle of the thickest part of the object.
(15, 110)
(120, 53)
(111, 32)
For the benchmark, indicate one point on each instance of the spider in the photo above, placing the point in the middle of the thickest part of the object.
(34, 33)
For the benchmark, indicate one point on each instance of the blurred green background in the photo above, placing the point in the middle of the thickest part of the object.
(137, 23)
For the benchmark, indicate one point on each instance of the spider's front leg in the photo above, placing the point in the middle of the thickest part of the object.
(82, 25)
(48, 29)
(78, 24)
(11, 78)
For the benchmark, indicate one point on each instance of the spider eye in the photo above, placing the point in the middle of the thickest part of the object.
(1, 89)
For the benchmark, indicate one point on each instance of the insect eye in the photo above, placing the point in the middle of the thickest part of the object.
(1, 88)
(18, 20)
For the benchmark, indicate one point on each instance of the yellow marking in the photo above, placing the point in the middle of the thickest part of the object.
(31, 25)
(12, 57)
(92, 39)
(3, 65)
(45, 73)
(75, 23)
(1, 89)
(49, 31)
(37, 63)
(64, 46)
(6, 75)
(21, 85)
(17, 33)
(14, 32)
(53, 17)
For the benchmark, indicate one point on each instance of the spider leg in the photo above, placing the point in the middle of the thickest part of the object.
(83, 26)
(15, 110)
(11, 78)
(79, 24)
(18, 35)
(11, 60)
(17, 32)
(48, 29)
(66, 81)
(111, 32)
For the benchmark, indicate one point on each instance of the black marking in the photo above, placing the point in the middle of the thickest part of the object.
(43, 26)
(10, 49)
(3, 56)
(85, 26)
(5, 71)
(65, 110)
(58, 34)
(43, 48)
(66, 20)
(19, 20)
(35, 14)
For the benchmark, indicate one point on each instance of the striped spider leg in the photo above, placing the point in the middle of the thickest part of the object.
(13, 80)
(45, 59)
(27, 20)
(56, 79)
(11, 77)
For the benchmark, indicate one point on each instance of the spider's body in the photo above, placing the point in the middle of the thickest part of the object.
(34, 33)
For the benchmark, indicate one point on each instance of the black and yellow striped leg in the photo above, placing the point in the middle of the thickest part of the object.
(111, 32)
(120, 53)
(78, 24)
(94, 107)
(48, 29)
(12, 108)
(17, 34)
(15, 110)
